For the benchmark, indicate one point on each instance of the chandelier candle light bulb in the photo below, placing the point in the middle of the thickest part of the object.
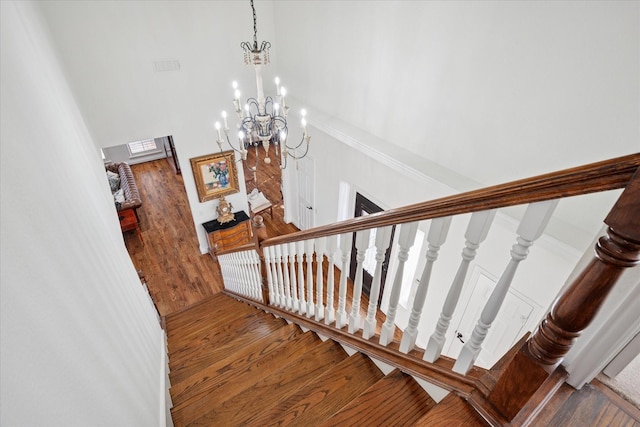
(224, 118)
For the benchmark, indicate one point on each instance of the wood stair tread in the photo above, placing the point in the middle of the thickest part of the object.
(202, 319)
(218, 372)
(218, 330)
(274, 388)
(216, 303)
(396, 399)
(196, 358)
(236, 382)
(322, 397)
(452, 411)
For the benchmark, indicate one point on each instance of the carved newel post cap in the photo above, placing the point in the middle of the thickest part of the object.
(257, 221)
(259, 228)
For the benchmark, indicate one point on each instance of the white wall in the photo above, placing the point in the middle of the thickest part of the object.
(108, 48)
(492, 90)
(81, 344)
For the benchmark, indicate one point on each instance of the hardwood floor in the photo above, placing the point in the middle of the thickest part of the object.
(177, 274)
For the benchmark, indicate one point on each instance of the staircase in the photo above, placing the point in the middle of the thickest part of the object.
(233, 364)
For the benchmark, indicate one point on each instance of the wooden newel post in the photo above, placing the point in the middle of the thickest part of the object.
(260, 234)
(574, 310)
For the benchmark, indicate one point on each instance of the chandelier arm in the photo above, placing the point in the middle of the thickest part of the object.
(299, 145)
(299, 157)
(230, 145)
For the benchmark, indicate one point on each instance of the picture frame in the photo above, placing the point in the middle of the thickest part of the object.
(215, 175)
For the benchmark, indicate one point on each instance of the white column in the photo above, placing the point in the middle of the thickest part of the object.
(362, 243)
(319, 279)
(383, 238)
(477, 231)
(329, 312)
(531, 227)
(405, 241)
(345, 250)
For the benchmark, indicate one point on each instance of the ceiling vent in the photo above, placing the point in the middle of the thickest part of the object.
(162, 66)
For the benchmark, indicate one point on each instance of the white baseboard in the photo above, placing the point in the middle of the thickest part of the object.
(165, 404)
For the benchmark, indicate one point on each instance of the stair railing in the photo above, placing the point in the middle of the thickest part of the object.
(282, 279)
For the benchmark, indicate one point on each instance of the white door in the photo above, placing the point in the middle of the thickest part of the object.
(506, 329)
(306, 193)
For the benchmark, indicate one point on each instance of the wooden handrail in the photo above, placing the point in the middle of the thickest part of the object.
(606, 175)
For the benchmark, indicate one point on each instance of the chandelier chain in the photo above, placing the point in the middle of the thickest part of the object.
(255, 27)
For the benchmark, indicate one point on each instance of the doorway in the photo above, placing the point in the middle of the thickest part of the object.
(306, 193)
(363, 207)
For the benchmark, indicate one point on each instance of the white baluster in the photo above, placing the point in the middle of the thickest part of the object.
(233, 273)
(437, 236)
(285, 274)
(274, 275)
(531, 227)
(283, 299)
(308, 249)
(383, 238)
(242, 273)
(292, 275)
(362, 243)
(345, 250)
(319, 279)
(329, 312)
(242, 265)
(257, 287)
(405, 241)
(301, 294)
(267, 265)
(477, 231)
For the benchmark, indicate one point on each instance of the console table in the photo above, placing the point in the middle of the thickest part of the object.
(230, 235)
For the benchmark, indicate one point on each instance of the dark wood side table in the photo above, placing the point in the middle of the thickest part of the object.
(128, 221)
(230, 235)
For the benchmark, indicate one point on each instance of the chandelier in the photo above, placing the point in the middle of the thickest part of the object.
(263, 120)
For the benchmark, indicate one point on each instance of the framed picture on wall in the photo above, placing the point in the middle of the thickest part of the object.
(215, 175)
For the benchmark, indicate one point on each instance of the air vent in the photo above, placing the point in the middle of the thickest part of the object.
(162, 66)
